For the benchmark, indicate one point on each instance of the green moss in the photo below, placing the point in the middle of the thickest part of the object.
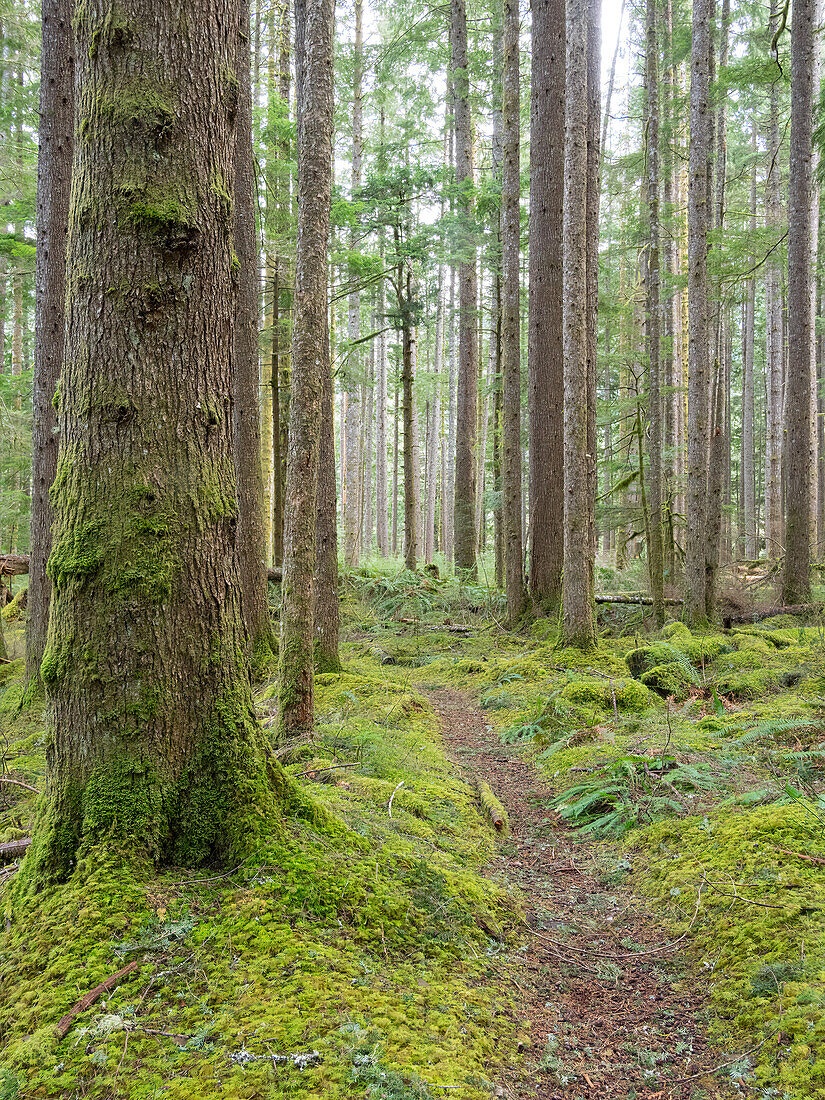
(644, 658)
(140, 102)
(15, 607)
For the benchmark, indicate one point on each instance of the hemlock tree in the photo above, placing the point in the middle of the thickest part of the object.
(796, 583)
(510, 328)
(153, 741)
(54, 180)
(464, 508)
(246, 386)
(313, 56)
(698, 352)
(578, 608)
(545, 355)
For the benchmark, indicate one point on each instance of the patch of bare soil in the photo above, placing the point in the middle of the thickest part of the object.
(611, 1007)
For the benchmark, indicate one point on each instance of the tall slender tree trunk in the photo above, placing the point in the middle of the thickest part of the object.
(246, 405)
(382, 532)
(578, 609)
(796, 584)
(698, 366)
(395, 457)
(773, 308)
(748, 347)
(54, 178)
(168, 762)
(510, 319)
(467, 386)
(314, 31)
(353, 508)
(653, 320)
(327, 614)
(545, 356)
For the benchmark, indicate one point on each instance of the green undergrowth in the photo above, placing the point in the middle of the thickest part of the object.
(357, 960)
(702, 757)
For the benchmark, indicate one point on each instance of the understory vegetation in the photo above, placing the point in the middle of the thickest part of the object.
(361, 952)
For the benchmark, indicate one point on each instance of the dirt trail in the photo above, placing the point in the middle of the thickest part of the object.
(618, 1026)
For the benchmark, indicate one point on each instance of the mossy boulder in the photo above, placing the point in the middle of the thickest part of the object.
(747, 685)
(628, 694)
(14, 608)
(677, 633)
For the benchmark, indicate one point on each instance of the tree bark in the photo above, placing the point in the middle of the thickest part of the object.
(314, 33)
(54, 180)
(467, 400)
(796, 584)
(327, 611)
(153, 743)
(545, 356)
(578, 610)
(773, 308)
(381, 530)
(510, 318)
(246, 381)
(698, 366)
(352, 427)
(748, 346)
(653, 320)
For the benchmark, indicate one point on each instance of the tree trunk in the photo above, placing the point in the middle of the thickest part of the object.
(382, 534)
(510, 319)
(327, 614)
(698, 367)
(251, 546)
(395, 476)
(545, 356)
(747, 452)
(411, 495)
(653, 320)
(153, 746)
(467, 399)
(578, 610)
(796, 584)
(54, 178)
(773, 308)
(314, 32)
(352, 428)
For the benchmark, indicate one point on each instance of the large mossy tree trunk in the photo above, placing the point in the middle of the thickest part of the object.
(545, 354)
(54, 180)
(153, 746)
(252, 551)
(314, 89)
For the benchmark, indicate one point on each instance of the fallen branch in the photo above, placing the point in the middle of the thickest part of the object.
(86, 1002)
(491, 805)
(450, 628)
(14, 848)
(819, 860)
(632, 598)
(335, 767)
(18, 783)
(392, 796)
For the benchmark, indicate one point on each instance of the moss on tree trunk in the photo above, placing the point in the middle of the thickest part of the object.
(153, 746)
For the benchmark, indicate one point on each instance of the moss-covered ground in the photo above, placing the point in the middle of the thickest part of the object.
(362, 955)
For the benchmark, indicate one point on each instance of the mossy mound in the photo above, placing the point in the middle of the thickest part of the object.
(755, 909)
(334, 960)
(16, 606)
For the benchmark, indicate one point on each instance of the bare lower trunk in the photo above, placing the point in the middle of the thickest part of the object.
(54, 174)
(578, 611)
(510, 321)
(467, 399)
(796, 585)
(315, 108)
(545, 351)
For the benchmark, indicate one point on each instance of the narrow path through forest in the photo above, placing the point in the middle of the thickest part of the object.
(623, 1016)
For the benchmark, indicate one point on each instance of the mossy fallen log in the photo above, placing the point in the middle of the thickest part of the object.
(493, 809)
(13, 848)
(637, 598)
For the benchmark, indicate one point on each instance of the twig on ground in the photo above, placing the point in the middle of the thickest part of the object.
(392, 796)
(18, 783)
(86, 1002)
(335, 767)
(724, 1065)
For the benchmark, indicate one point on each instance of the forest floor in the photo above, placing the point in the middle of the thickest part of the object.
(650, 926)
(604, 1020)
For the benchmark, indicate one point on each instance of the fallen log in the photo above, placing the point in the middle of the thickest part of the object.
(13, 565)
(496, 814)
(741, 618)
(86, 1002)
(632, 598)
(14, 848)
